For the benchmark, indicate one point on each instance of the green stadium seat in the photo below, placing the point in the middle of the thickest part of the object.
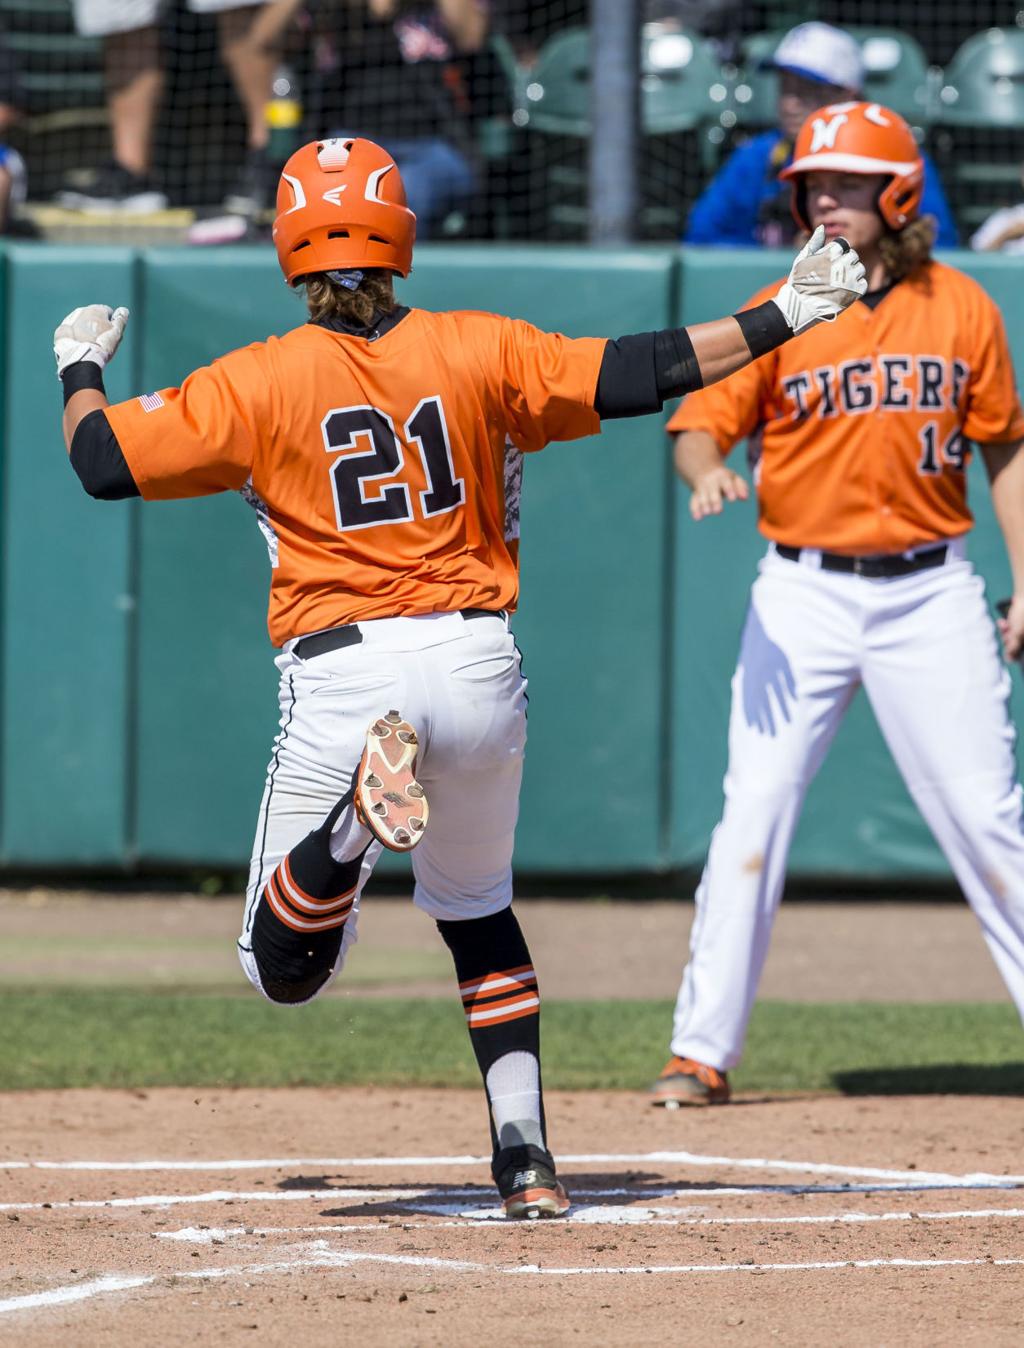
(984, 82)
(683, 92)
(558, 88)
(681, 83)
(755, 93)
(980, 115)
(897, 74)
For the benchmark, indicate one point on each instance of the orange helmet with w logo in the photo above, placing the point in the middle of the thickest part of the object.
(860, 138)
(341, 205)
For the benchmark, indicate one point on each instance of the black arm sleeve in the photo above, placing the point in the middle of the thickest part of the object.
(97, 459)
(639, 372)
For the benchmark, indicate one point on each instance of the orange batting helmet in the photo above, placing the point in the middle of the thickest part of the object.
(341, 205)
(860, 138)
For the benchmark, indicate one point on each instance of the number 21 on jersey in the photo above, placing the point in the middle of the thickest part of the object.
(358, 503)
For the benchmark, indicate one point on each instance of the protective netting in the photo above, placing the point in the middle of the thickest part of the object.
(141, 119)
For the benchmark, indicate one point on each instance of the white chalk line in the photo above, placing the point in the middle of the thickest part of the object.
(319, 1255)
(814, 1266)
(322, 1258)
(584, 1215)
(434, 1196)
(582, 1158)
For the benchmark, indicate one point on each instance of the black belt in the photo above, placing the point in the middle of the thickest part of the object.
(349, 635)
(877, 567)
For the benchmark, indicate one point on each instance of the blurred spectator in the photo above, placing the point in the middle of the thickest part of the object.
(248, 33)
(389, 70)
(745, 203)
(12, 166)
(1002, 232)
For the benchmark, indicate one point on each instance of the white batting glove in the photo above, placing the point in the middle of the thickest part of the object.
(825, 279)
(90, 333)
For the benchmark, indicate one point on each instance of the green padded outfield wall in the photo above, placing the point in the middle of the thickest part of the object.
(139, 694)
(858, 819)
(66, 790)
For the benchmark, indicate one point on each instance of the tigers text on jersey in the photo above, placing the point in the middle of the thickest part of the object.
(378, 467)
(859, 429)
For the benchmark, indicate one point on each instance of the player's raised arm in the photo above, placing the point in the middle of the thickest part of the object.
(825, 279)
(83, 344)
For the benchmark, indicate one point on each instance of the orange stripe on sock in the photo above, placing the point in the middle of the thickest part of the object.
(498, 1015)
(298, 897)
(511, 991)
(498, 981)
(296, 923)
(468, 984)
(329, 908)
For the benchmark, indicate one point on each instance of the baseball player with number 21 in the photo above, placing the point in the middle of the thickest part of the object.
(382, 448)
(859, 439)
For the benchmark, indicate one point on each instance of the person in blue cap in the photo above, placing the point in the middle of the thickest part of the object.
(746, 205)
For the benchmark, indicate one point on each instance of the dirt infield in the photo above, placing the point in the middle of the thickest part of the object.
(366, 1216)
(359, 1216)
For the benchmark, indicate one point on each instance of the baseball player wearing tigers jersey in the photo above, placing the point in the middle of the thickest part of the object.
(382, 448)
(859, 440)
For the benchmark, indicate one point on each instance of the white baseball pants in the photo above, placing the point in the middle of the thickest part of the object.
(458, 681)
(925, 650)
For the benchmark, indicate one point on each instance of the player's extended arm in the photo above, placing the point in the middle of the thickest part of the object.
(699, 464)
(1005, 466)
(825, 279)
(82, 344)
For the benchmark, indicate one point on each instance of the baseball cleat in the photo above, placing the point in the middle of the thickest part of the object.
(526, 1180)
(683, 1081)
(389, 800)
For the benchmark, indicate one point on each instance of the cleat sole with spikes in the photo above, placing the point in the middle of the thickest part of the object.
(389, 800)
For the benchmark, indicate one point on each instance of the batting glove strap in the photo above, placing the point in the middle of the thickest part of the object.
(825, 279)
(92, 333)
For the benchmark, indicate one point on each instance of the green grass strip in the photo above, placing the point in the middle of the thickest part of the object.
(89, 1037)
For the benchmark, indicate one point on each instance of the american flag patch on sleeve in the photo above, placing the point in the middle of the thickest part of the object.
(151, 401)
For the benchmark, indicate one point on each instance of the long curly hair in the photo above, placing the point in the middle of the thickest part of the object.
(374, 296)
(910, 248)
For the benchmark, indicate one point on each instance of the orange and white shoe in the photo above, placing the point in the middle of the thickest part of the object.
(526, 1180)
(684, 1081)
(389, 800)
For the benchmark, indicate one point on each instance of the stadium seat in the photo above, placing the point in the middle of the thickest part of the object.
(558, 89)
(682, 93)
(979, 118)
(681, 83)
(755, 94)
(61, 79)
(984, 82)
(897, 74)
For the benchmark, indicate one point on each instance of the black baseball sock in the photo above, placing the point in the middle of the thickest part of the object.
(301, 915)
(502, 1004)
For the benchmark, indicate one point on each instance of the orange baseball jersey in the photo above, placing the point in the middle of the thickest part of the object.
(385, 473)
(859, 430)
